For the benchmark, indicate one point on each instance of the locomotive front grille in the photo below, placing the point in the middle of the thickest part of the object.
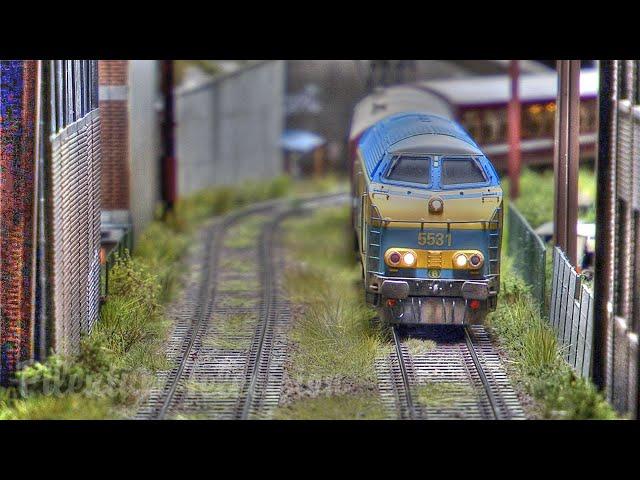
(434, 259)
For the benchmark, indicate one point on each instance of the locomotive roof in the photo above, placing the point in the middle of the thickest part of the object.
(434, 144)
(414, 132)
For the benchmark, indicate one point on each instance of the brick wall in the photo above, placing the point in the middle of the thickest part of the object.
(113, 72)
(17, 168)
(113, 79)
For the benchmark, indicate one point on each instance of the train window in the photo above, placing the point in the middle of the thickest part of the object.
(472, 123)
(411, 169)
(456, 171)
(538, 120)
(494, 126)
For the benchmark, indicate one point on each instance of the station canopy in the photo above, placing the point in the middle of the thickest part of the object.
(300, 141)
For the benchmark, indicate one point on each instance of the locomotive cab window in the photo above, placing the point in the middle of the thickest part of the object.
(410, 169)
(461, 170)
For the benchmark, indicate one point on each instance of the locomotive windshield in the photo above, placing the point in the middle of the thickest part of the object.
(461, 170)
(411, 169)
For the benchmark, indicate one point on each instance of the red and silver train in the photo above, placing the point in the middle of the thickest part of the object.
(479, 104)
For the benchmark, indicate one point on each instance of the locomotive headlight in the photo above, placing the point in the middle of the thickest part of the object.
(401, 257)
(394, 258)
(409, 259)
(460, 260)
(476, 260)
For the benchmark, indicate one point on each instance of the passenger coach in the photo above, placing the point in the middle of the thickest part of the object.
(427, 219)
(480, 105)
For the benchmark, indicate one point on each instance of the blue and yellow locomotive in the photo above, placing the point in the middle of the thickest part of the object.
(427, 215)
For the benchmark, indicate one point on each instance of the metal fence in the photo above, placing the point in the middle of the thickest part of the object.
(571, 313)
(75, 230)
(528, 252)
(617, 272)
(117, 251)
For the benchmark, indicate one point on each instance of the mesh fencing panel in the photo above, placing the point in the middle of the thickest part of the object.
(76, 230)
(528, 252)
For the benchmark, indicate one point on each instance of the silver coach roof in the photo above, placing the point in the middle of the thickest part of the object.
(396, 99)
(434, 144)
(496, 88)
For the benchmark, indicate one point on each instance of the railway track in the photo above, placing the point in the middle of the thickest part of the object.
(227, 350)
(446, 373)
(228, 347)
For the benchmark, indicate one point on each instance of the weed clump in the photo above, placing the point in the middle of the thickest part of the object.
(339, 407)
(538, 359)
(417, 346)
(335, 337)
(438, 394)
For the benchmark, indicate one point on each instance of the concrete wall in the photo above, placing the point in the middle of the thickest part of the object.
(229, 128)
(144, 141)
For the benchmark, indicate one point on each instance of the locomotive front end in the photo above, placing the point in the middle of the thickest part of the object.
(428, 222)
(429, 269)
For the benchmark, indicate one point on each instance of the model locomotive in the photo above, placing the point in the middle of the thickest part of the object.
(427, 219)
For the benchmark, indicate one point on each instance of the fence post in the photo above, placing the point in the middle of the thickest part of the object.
(605, 227)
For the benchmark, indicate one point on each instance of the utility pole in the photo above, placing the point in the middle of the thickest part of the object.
(566, 158)
(514, 119)
(168, 165)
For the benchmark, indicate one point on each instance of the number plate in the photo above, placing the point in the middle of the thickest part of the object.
(434, 239)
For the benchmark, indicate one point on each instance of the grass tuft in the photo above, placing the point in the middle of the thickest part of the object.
(436, 394)
(335, 336)
(418, 346)
(68, 407)
(234, 331)
(340, 407)
(244, 234)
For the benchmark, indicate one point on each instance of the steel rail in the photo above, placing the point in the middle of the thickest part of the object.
(488, 390)
(206, 297)
(268, 314)
(207, 291)
(404, 375)
(260, 365)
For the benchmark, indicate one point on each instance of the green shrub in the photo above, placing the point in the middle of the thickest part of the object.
(133, 278)
(537, 190)
(56, 376)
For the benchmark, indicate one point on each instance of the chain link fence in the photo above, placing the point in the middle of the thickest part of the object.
(117, 251)
(528, 252)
